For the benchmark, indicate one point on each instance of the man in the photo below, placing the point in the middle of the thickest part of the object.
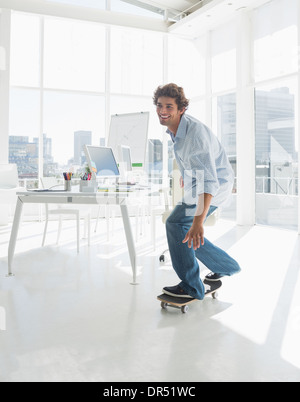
(208, 181)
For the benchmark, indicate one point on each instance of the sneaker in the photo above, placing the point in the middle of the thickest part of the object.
(176, 291)
(211, 277)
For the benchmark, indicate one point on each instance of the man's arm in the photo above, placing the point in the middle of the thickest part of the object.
(196, 233)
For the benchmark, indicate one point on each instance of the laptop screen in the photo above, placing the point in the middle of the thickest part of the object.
(101, 160)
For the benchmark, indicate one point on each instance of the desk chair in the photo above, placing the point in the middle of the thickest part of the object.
(126, 175)
(9, 186)
(78, 213)
(110, 212)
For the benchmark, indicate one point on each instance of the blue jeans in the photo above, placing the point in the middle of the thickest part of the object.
(184, 259)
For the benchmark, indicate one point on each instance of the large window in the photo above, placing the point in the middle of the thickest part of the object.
(276, 40)
(224, 126)
(25, 105)
(186, 66)
(223, 84)
(67, 118)
(74, 55)
(25, 131)
(62, 95)
(136, 71)
(25, 50)
(224, 113)
(276, 155)
(136, 62)
(74, 109)
(276, 114)
(69, 98)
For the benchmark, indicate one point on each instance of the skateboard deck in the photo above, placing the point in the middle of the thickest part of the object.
(183, 304)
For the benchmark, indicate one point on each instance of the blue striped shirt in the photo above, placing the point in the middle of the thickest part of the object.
(202, 162)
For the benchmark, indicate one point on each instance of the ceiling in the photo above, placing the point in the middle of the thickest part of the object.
(173, 9)
(187, 18)
(211, 15)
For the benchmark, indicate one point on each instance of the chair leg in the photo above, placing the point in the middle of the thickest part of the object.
(97, 221)
(107, 217)
(113, 215)
(143, 219)
(78, 232)
(137, 226)
(153, 229)
(139, 222)
(89, 229)
(45, 232)
(59, 229)
(85, 227)
(46, 224)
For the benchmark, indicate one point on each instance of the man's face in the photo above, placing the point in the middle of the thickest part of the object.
(168, 112)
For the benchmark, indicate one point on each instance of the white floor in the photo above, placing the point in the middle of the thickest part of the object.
(69, 317)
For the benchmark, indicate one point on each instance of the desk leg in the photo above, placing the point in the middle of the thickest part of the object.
(130, 241)
(14, 235)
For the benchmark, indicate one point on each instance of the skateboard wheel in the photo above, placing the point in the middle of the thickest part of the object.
(215, 295)
(164, 305)
(184, 309)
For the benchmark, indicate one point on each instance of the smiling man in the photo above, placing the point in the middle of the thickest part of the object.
(208, 182)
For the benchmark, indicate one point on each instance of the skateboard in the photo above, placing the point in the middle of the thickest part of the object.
(183, 304)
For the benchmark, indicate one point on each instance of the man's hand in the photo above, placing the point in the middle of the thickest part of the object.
(195, 235)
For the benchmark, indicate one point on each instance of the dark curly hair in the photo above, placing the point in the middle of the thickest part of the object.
(172, 91)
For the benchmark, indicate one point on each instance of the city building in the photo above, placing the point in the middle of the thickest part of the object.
(25, 154)
(81, 138)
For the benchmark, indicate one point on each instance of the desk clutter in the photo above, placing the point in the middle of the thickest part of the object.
(116, 188)
(87, 185)
(68, 176)
(67, 181)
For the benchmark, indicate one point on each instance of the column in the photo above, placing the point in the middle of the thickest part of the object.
(245, 122)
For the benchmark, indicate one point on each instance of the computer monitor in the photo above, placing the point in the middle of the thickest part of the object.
(102, 160)
(125, 158)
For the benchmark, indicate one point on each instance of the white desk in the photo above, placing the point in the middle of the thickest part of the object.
(75, 198)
